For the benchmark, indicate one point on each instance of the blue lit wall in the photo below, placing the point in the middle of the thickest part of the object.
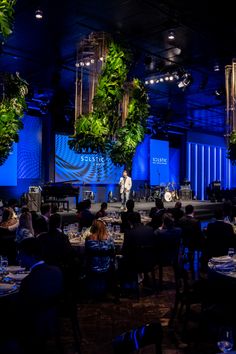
(23, 167)
(207, 162)
(8, 171)
(174, 166)
(140, 169)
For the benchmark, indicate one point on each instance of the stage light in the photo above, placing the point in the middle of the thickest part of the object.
(87, 63)
(171, 35)
(81, 63)
(151, 82)
(146, 82)
(171, 78)
(185, 80)
(77, 65)
(216, 67)
(161, 79)
(39, 14)
(167, 78)
(92, 61)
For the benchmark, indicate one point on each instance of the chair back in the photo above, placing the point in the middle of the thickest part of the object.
(138, 338)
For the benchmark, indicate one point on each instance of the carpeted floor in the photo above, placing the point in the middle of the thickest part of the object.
(101, 322)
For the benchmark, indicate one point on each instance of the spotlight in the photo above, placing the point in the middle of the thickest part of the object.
(39, 14)
(161, 79)
(185, 81)
(92, 61)
(101, 58)
(167, 78)
(157, 81)
(151, 82)
(216, 67)
(81, 63)
(171, 78)
(87, 63)
(171, 35)
(77, 65)
(146, 82)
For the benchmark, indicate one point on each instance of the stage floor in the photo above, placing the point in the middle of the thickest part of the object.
(143, 205)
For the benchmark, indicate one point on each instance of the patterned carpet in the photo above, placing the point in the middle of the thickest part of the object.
(101, 322)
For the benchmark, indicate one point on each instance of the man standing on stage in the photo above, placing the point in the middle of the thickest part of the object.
(125, 187)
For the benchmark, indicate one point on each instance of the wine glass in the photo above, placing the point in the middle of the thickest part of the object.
(225, 343)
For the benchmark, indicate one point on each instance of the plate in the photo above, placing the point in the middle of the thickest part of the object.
(17, 277)
(15, 269)
(221, 259)
(6, 288)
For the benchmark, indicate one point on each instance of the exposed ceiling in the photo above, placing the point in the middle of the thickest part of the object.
(44, 52)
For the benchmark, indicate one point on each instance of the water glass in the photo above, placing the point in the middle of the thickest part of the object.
(226, 342)
(4, 264)
(231, 252)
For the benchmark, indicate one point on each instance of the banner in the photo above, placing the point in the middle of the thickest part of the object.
(159, 162)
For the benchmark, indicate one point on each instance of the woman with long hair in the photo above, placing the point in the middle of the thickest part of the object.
(8, 222)
(25, 228)
(99, 248)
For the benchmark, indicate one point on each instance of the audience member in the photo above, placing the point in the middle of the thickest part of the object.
(39, 297)
(127, 217)
(191, 230)
(41, 222)
(9, 222)
(55, 245)
(102, 212)
(85, 216)
(25, 228)
(156, 214)
(177, 212)
(99, 248)
(220, 236)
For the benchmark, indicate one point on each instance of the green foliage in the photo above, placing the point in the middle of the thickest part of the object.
(11, 110)
(6, 17)
(231, 152)
(100, 131)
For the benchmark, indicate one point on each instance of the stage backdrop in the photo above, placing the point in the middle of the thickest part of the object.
(159, 162)
(83, 168)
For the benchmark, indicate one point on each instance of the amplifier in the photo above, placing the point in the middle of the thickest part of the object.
(185, 194)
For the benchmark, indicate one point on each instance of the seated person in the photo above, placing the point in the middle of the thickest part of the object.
(177, 212)
(9, 222)
(25, 228)
(191, 230)
(55, 246)
(99, 249)
(41, 221)
(167, 240)
(126, 216)
(85, 216)
(220, 236)
(139, 246)
(156, 214)
(102, 212)
(38, 299)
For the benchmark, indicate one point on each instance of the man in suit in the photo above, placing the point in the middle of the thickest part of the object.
(39, 297)
(125, 187)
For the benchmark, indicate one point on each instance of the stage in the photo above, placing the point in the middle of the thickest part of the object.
(204, 210)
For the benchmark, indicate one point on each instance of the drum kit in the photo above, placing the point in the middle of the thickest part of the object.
(166, 193)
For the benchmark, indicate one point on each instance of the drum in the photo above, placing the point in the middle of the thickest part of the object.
(168, 196)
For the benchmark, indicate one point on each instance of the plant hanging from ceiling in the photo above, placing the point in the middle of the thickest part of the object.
(6, 17)
(231, 152)
(103, 130)
(12, 105)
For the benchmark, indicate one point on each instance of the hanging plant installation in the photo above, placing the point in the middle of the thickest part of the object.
(231, 151)
(12, 106)
(105, 129)
(6, 17)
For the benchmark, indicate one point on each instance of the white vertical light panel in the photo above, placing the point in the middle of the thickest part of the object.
(189, 160)
(214, 163)
(203, 174)
(196, 168)
(209, 165)
(220, 164)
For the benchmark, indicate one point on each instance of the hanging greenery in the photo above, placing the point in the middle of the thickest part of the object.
(231, 153)
(6, 17)
(101, 130)
(12, 106)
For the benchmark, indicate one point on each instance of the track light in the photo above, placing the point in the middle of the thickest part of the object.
(185, 81)
(39, 14)
(171, 35)
(216, 67)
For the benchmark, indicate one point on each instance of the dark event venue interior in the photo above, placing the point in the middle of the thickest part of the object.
(117, 177)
